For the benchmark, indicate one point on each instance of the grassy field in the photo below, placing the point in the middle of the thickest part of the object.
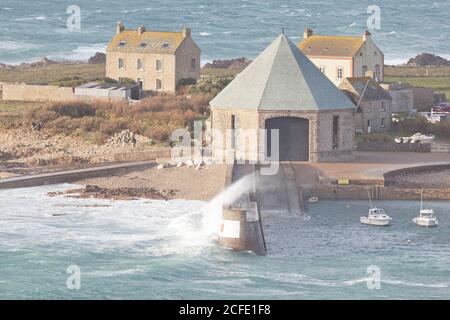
(51, 73)
(438, 84)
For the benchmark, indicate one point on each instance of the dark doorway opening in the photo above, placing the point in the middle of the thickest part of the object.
(294, 138)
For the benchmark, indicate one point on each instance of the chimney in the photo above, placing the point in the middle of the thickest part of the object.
(186, 32)
(308, 33)
(141, 30)
(366, 35)
(120, 27)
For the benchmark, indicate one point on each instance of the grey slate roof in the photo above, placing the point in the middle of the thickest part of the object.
(282, 78)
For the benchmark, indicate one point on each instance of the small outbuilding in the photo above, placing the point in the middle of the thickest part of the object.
(107, 92)
(282, 89)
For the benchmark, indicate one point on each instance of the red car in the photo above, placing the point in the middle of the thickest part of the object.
(442, 107)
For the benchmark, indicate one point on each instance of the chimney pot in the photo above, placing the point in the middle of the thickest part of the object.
(120, 27)
(186, 32)
(141, 29)
(308, 33)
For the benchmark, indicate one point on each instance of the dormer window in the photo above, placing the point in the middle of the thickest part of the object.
(122, 43)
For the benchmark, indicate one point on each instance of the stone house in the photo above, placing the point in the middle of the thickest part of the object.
(282, 89)
(373, 104)
(340, 57)
(402, 97)
(157, 61)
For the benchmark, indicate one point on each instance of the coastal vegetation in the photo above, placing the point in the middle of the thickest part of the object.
(155, 117)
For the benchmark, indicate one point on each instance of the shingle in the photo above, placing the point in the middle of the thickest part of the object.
(282, 78)
(148, 41)
(332, 46)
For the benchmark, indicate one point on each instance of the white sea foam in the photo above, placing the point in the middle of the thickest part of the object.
(82, 53)
(204, 34)
(16, 46)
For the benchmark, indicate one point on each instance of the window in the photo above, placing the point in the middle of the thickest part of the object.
(322, 69)
(141, 83)
(335, 132)
(165, 45)
(233, 127)
(158, 84)
(122, 43)
(121, 63)
(193, 64)
(158, 65)
(369, 126)
(143, 45)
(377, 72)
(139, 64)
(383, 122)
(369, 107)
(339, 72)
(383, 106)
(364, 70)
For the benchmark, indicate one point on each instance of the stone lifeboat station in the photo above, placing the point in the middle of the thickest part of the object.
(282, 89)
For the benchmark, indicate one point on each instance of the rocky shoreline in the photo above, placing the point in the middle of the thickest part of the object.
(90, 191)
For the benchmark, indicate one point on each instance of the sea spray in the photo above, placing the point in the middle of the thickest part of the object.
(197, 229)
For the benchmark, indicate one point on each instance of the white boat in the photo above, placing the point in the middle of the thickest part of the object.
(313, 199)
(376, 217)
(426, 217)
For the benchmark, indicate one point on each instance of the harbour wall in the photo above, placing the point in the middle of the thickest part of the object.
(359, 192)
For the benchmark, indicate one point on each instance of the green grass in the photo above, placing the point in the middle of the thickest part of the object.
(438, 84)
(52, 73)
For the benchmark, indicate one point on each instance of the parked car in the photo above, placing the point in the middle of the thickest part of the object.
(443, 107)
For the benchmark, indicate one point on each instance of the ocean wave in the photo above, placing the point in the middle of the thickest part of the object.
(204, 34)
(16, 46)
(82, 53)
(30, 18)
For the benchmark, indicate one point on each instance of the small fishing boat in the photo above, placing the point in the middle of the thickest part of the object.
(376, 216)
(426, 217)
(313, 199)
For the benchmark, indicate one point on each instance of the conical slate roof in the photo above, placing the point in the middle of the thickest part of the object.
(282, 78)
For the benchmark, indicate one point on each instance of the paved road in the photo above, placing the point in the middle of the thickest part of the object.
(73, 175)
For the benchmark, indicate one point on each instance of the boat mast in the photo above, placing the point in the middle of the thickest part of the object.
(421, 200)
(370, 199)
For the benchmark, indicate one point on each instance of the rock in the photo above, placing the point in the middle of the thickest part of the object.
(428, 60)
(180, 164)
(198, 166)
(98, 58)
(123, 138)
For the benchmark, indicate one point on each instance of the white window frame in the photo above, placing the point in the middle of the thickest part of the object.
(140, 64)
(159, 65)
(121, 64)
(340, 72)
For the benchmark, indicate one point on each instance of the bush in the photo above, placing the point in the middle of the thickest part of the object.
(210, 85)
(155, 117)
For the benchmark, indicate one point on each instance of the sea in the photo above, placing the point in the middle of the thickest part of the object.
(30, 30)
(68, 248)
